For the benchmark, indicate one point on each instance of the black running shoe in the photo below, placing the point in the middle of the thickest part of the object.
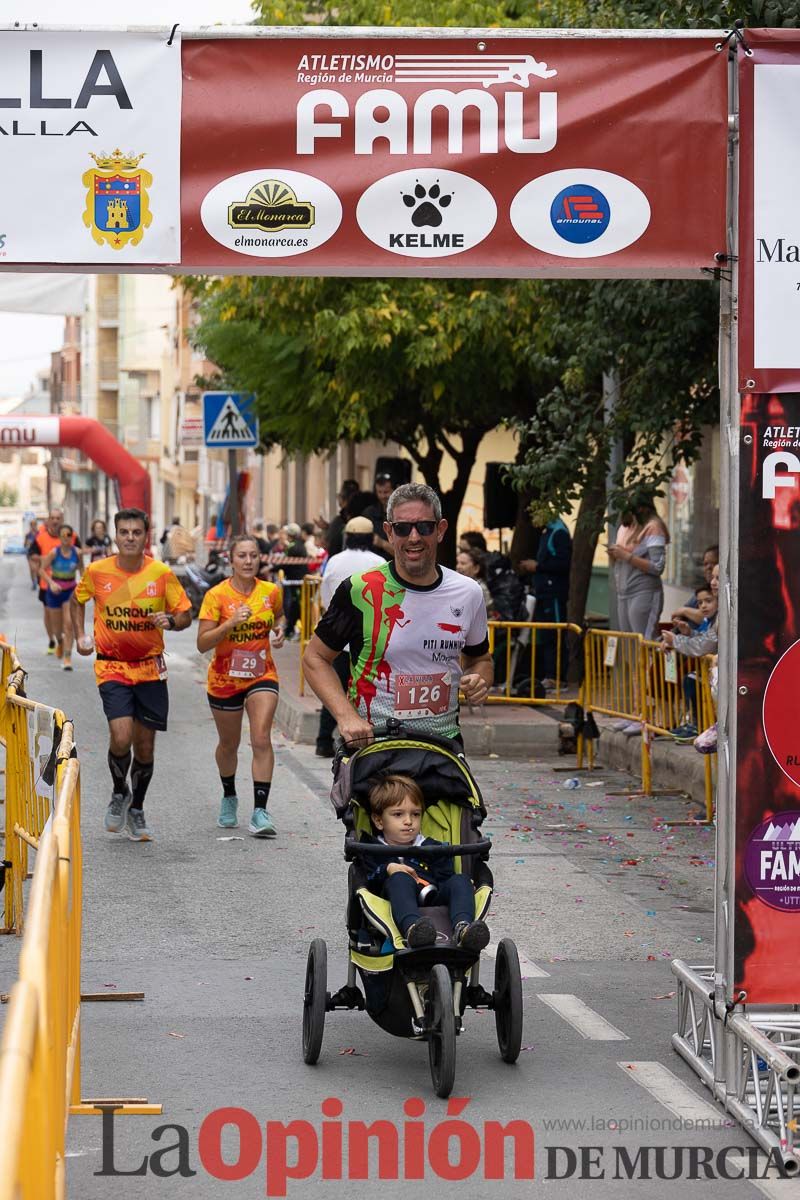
(421, 933)
(473, 937)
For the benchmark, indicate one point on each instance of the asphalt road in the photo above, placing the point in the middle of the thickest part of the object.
(596, 889)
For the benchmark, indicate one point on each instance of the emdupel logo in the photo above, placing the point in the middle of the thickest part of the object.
(426, 213)
(580, 213)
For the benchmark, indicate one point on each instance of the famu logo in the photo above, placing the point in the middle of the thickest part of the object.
(580, 213)
(772, 861)
(271, 205)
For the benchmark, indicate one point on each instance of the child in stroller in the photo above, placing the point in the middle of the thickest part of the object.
(416, 991)
(396, 805)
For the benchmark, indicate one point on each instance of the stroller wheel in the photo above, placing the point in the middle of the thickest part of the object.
(508, 1000)
(442, 1031)
(314, 1000)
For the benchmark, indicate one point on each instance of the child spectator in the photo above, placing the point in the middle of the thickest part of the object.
(396, 804)
(690, 611)
(701, 641)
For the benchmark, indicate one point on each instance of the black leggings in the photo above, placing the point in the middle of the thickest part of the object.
(456, 892)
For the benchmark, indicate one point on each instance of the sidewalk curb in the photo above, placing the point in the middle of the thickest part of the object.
(673, 766)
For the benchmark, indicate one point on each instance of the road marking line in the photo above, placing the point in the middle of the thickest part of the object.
(588, 1023)
(673, 1093)
(529, 969)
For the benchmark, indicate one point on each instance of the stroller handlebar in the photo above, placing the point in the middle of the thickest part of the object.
(354, 849)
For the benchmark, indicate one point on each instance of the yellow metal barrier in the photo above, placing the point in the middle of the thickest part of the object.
(40, 1050)
(666, 705)
(310, 613)
(521, 651)
(629, 678)
(40, 1056)
(28, 732)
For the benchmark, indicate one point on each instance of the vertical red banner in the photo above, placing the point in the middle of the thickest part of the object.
(767, 921)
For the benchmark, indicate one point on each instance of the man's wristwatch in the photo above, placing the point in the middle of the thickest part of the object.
(171, 620)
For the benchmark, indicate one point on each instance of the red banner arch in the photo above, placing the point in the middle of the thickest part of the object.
(94, 440)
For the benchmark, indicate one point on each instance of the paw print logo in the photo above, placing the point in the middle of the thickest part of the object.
(427, 204)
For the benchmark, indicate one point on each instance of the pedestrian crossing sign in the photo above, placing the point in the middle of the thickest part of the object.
(229, 420)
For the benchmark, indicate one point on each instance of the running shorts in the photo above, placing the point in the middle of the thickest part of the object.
(236, 703)
(147, 703)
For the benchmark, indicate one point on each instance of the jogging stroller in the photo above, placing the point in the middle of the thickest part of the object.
(417, 993)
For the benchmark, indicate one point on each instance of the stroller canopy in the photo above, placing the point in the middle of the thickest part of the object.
(438, 769)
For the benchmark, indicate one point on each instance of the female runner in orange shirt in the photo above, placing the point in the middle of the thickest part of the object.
(237, 619)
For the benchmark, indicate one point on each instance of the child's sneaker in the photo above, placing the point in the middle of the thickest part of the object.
(421, 933)
(473, 936)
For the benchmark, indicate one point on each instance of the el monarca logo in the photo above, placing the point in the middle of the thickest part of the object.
(271, 213)
(273, 205)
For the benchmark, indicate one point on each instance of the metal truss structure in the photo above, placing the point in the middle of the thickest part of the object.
(748, 1057)
(750, 1062)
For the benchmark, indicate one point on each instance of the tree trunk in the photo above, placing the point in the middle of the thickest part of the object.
(430, 465)
(588, 527)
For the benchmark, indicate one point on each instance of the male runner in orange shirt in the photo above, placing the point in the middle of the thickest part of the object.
(135, 599)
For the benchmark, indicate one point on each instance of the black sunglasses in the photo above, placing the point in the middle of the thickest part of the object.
(423, 528)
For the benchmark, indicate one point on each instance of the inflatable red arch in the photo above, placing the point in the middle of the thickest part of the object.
(94, 440)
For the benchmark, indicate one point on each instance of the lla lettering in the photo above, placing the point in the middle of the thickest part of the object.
(102, 79)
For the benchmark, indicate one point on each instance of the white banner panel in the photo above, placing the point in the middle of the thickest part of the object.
(30, 431)
(55, 294)
(90, 148)
(776, 235)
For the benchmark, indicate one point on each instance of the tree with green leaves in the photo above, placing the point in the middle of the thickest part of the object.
(553, 14)
(432, 365)
(659, 338)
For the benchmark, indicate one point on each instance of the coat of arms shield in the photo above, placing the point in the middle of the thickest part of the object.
(117, 204)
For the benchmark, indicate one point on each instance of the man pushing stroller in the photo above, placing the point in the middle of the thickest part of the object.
(416, 632)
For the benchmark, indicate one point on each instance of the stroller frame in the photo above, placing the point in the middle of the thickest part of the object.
(419, 993)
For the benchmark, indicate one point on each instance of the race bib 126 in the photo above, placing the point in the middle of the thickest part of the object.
(422, 695)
